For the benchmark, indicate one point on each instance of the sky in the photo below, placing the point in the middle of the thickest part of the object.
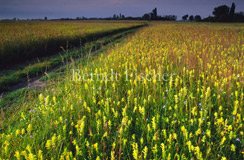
(106, 8)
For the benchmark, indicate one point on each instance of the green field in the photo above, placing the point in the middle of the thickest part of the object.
(26, 53)
(24, 40)
(167, 91)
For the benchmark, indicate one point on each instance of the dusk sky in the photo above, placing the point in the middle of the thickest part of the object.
(106, 8)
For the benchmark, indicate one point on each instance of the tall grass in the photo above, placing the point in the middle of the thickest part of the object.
(194, 110)
(22, 41)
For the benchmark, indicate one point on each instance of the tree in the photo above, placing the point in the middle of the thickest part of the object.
(146, 16)
(232, 9)
(185, 17)
(45, 18)
(198, 18)
(154, 14)
(221, 13)
(221, 10)
(191, 18)
(115, 16)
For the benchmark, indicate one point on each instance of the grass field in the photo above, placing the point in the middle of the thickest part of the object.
(24, 40)
(26, 53)
(169, 91)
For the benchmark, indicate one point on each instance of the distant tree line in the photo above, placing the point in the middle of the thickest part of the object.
(221, 13)
(154, 16)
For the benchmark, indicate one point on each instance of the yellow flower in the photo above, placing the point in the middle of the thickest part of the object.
(17, 155)
(208, 93)
(184, 131)
(29, 128)
(154, 124)
(112, 154)
(40, 157)
(222, 141)
(198, 132)
(95, 146)
(144, 151)
(31, 156)
(163, 150)
(229, 128)
(135, 151)
(208, 133)
(48, 144)
(223, 158)
(236, 104)
(86, 86)
(233, 147)
(154, 81)
(17, 132)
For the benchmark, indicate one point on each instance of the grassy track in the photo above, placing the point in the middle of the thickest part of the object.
(54, 67)
(24, 72)
(178, 95)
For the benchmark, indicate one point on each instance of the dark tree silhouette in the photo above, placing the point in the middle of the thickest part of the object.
(221, 10)
(198, 18)
(232, 12)
(238, 17)
(154, 14)
(185, 17)
(221, 13)
(209, 19)
(232, 9)
(146, 16)
(191, 18)
(45, 18)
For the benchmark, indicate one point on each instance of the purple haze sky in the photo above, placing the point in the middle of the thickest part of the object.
(106, 8)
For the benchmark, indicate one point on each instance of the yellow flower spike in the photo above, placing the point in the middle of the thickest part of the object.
(169, 157)
(23, 153)
(233, 148)
(112, 155)
(17, 155)
(135, 152)
(198, 132)
(154, 124)
(145, 152)
(53, 140)
(86, 86)
(17, 132)
(23, 116)
(28, 148)
(48, 144)
(31, 156)
(145, 82)
(236, 104)
(223, 158)
(22, 131)
(155, 149)
(40, 155)
(208, 133)
(95, 146)
(229, 127)
(222, 141)
(113, 145)
(174, 136)
(176, 99)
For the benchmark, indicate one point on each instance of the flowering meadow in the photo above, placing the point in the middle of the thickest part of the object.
(24, 40)
(169, 91)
